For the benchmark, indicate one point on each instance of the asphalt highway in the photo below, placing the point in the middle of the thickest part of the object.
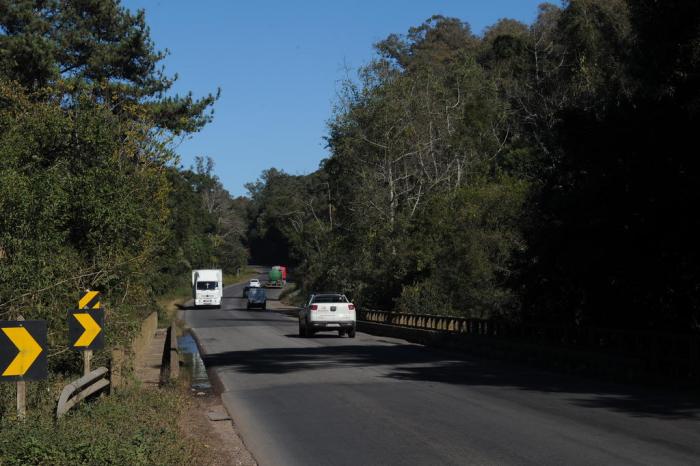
(379, 401)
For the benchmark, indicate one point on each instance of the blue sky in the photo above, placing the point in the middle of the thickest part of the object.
(278, 64)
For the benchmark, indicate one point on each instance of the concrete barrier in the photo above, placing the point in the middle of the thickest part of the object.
(174, 359)
(122, 360)
(140, 344)
(116, 368)
(170, 365)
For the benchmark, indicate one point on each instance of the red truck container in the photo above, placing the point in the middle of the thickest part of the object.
(283, 269)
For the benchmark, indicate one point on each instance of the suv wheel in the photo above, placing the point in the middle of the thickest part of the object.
(351, 332)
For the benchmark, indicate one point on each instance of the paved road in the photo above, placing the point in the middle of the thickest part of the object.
(380, 401)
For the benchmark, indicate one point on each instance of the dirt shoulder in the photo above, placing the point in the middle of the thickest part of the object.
(206, 423)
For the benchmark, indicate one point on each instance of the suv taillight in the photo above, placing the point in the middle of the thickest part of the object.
(314, 307)
(351, 307)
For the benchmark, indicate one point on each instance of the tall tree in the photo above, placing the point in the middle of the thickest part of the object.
(99, 45)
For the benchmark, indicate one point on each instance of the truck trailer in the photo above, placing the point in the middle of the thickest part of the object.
(277, 277)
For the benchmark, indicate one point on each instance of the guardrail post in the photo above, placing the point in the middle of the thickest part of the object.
(21, 394)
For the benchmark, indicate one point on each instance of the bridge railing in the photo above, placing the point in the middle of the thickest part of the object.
(657, 352)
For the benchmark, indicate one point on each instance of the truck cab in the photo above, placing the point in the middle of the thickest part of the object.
(207, 287)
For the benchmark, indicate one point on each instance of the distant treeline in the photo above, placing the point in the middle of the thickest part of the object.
(91, 192)
(536, 173)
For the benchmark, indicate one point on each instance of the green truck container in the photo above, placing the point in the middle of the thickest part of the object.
(275, 275)
(274, 278)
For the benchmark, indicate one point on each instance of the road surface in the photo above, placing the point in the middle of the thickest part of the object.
(380, 401)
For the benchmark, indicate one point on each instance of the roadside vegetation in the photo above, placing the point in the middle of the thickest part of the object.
(536, 173)
(134, 426)
(93, 195)
(91, 192)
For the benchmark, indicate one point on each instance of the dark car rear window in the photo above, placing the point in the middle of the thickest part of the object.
(256, 293)
(329, 298)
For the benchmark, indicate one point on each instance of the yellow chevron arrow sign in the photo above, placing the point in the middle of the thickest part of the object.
(22, 350)
(28, 348)
(85, 329)
(91, 327)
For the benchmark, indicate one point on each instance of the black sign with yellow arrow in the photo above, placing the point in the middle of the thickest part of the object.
(85, 329)
(23, 350)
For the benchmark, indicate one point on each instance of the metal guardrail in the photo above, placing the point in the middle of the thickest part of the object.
(658, 352)
(82, 388)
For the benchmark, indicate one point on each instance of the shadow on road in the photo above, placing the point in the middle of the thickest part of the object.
(318, 335)
(190, 307)
(234, 320)
(416, 363)
(291, 312)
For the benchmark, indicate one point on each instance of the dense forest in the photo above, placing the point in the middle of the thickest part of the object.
(540, 173)
(535, 173)
(92, 194)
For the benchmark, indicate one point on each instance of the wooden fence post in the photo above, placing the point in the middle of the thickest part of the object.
(87, 358)
(21, 393)
(21, 399)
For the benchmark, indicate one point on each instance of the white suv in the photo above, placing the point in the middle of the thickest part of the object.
(327, 312)
(254, 283)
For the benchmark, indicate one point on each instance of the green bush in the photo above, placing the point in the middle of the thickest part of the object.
(133, 427)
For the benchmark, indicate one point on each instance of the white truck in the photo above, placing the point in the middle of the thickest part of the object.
(207, 287)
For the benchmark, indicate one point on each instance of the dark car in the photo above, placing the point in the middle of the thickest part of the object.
(256, 298)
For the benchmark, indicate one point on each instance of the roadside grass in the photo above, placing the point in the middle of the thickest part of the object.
(292, 296)
(244, 276)
(168, 303)
(134, 426)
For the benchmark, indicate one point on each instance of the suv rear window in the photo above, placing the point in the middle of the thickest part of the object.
(329, 298)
